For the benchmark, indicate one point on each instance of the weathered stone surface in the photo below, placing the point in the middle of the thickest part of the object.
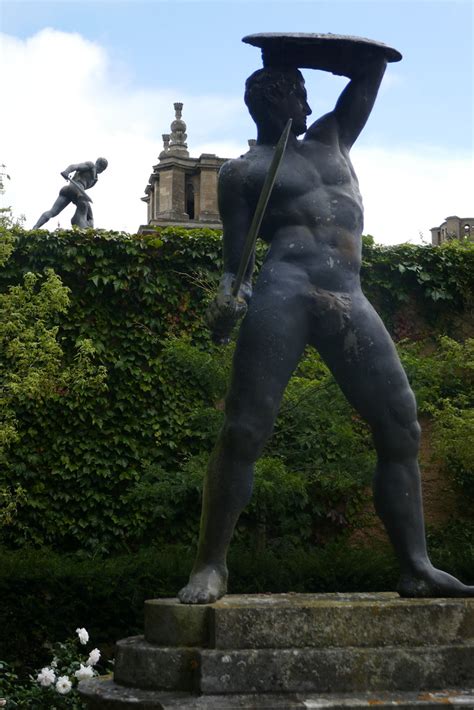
(310, 620)
(320, 623)
(139, 664)
(169, 623)
(402, 701)
(106, 695)
(336, 669)
(342, 651)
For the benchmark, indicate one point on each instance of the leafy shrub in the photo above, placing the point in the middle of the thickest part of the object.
(417, 286)
(112, 440)
(55, 685)
(45, 594)
(453, 444)
(32, 364)
(112, 435)
(439, 370)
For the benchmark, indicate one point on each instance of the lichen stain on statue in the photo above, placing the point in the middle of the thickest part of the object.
(308, 292)
(84, 176)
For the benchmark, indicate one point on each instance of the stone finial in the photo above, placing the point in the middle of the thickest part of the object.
(252, 142)
(166, 145)
(178, 133)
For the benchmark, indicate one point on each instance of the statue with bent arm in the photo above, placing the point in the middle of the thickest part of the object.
(85, 177)
(308, 292)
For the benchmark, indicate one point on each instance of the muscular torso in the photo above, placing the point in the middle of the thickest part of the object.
(314, 218)
(86, 178)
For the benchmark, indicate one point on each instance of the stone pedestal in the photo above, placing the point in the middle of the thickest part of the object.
(295, 651)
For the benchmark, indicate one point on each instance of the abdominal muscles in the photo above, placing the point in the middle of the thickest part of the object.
(318, 232)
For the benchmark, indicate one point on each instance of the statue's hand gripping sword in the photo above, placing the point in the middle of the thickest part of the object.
(222, 317)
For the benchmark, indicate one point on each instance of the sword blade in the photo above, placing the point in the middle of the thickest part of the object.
(252, 234)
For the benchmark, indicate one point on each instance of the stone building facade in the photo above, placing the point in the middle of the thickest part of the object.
(182, 190)
(453, 227)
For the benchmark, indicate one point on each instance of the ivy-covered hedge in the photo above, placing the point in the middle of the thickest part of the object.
(45, 595)
(419, 290)
(110, 454)
(111, 396)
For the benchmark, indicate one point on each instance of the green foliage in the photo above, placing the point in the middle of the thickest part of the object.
(9, 502)
(45, 594)
(192, 385)
(318, 435)
(166, 505)
(419, 289)
(442, 375)
(31, 358)
(453, 444)
(113, 394)
(335, 567)
(6, 247)
(81, 449)
(54, 686)
(443, 379)
(279, 508)
(440, 370)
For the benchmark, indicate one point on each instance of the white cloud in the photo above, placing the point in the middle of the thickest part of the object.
(406, 192)
(65, 104)
(64, 107)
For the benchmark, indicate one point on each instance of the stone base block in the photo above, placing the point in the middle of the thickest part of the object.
(139, 664)
(107, 695)
(310, 620)
(335, 669)
(273, 652)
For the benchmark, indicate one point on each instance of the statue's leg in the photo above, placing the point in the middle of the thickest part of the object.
(89, 217)
(61, 202)
(80, 216)
(365, 363)
(270, 343)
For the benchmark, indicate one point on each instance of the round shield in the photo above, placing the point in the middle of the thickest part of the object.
(339, 54)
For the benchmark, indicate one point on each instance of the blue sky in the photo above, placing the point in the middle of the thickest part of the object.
(417, 148)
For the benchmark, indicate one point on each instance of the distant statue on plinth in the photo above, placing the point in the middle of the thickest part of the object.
(308, 291)
(84, 177)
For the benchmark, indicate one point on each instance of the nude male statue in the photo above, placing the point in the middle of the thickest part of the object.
(85, 177)
(308, 292)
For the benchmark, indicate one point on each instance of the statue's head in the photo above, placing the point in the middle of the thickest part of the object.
(101, 164)
(275, 95)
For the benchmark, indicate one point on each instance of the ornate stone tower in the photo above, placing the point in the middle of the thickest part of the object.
(182, 190)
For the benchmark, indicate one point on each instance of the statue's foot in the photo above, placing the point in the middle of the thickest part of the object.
(206, 585)
(432, 582)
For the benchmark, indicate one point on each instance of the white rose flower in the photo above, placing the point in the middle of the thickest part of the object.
(94, 657)
(83, 636)
(46, 677)
(3, 702)
(63, 685)
(84, 672)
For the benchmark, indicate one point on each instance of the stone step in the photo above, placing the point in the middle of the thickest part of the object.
(338, 670)
(106, 695)
(310, 620)
(143, 665)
